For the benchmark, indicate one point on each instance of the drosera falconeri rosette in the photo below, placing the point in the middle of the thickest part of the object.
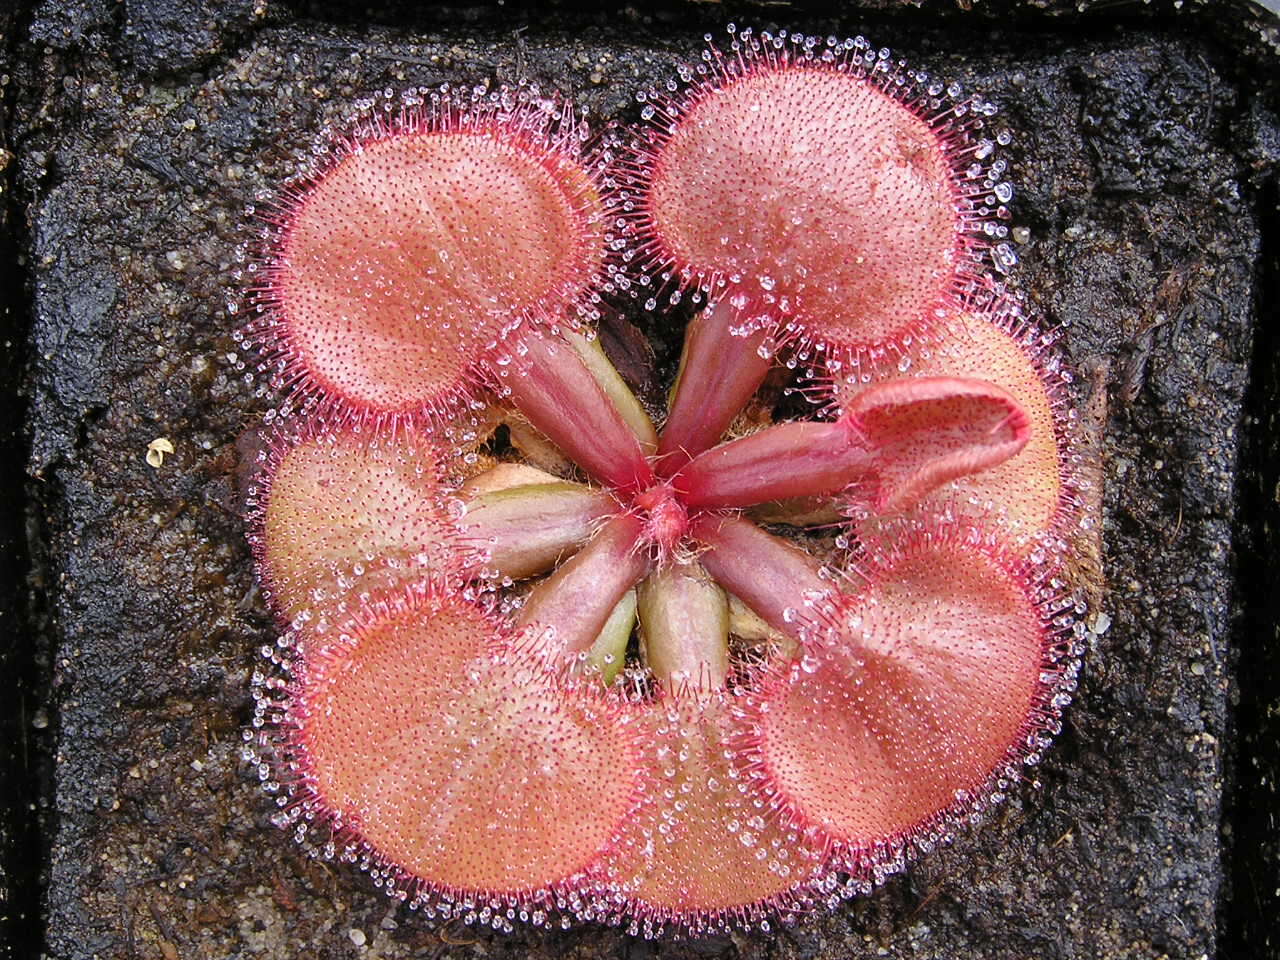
(547, 654)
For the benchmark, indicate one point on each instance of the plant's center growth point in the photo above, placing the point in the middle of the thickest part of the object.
(666, 519)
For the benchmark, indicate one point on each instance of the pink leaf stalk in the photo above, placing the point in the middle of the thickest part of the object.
(724, 370)
(529, 529)
(576, 600)
(904, 439)
(685, 615)
(773, 577)
(553, 388)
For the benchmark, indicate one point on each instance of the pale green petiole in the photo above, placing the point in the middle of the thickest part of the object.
(528, 529)
(684, 618)
(609, 653)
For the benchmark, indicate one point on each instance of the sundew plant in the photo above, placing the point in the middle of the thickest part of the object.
(549, 653)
